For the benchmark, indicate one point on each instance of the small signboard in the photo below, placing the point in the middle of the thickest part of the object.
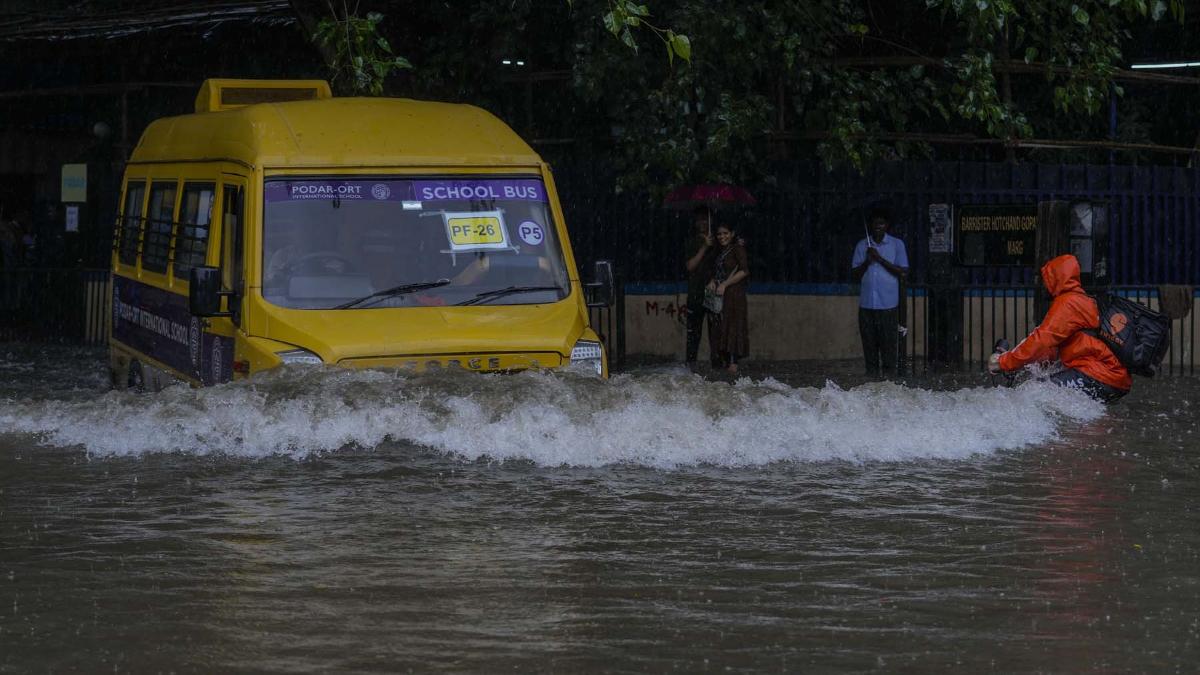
(74, 183)
(996, 235)
(72, 218)
(941, 228)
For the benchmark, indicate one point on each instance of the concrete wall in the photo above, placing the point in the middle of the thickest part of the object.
(782, 327)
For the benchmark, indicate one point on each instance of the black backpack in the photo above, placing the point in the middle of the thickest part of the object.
(1137, 335)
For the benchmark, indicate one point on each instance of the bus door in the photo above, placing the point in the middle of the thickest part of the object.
(219, 333)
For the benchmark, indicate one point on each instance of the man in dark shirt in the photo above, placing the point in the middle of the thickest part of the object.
(698, 248)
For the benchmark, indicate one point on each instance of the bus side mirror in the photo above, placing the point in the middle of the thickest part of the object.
(204, 292)
(603, 292)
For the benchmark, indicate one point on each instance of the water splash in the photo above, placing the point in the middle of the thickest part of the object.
(657, 419)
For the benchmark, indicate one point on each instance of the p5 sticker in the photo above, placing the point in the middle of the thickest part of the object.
(531, 233)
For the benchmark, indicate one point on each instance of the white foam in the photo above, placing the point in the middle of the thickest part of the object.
(659, 419)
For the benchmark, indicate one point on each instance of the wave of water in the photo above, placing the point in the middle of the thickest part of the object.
(659, 419)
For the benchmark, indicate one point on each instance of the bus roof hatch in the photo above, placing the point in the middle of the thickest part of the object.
(223, 94)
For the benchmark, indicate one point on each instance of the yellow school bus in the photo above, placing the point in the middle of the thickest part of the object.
(279, 224)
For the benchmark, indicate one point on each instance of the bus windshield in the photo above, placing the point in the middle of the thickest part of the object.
(341, 243)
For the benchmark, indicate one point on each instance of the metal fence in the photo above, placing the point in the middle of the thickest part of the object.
(1011, 312)
(808, 219)
(55, 305)
(609, 323)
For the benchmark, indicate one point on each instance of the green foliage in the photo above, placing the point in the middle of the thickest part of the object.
(764, 70)
(974, 97)
(360, 58)
(625, 16)
(763, 78)
(760, 68)
(704, 122)
(1079, 44)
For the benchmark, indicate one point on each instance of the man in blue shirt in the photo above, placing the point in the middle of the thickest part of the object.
(880, 263)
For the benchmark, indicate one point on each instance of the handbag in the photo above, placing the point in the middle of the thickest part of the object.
(712, 301)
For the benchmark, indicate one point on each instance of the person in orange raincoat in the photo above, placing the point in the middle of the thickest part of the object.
(1090, 364)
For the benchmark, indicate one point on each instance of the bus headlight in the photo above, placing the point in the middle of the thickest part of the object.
(589, 352)
(294, 356)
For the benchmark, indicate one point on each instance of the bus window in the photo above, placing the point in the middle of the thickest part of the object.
(131, 222)
(157, 240)
(191, 238)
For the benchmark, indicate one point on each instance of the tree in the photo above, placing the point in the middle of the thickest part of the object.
(861, 80)
(851, 81)
(360, 58)
(1077, 46)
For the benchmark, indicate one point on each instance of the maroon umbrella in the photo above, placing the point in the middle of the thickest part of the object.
(712, 195)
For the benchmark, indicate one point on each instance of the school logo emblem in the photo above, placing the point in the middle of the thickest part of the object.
(194, 342)
(380, 191)
(1117, 323)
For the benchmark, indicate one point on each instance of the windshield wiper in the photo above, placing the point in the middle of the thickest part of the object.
(511, 290)
(394, 291)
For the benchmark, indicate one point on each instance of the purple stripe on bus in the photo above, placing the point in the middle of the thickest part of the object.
(509, 189)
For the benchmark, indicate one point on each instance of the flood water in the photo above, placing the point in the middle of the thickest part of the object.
(369, 521)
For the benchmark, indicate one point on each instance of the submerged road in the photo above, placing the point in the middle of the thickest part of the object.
(314, 520)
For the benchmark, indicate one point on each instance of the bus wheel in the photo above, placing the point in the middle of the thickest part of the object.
(136, 381)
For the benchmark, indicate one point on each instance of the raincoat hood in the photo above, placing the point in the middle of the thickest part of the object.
(1061, 275)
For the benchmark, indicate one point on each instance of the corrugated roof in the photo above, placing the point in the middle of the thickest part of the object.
(56, 20)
